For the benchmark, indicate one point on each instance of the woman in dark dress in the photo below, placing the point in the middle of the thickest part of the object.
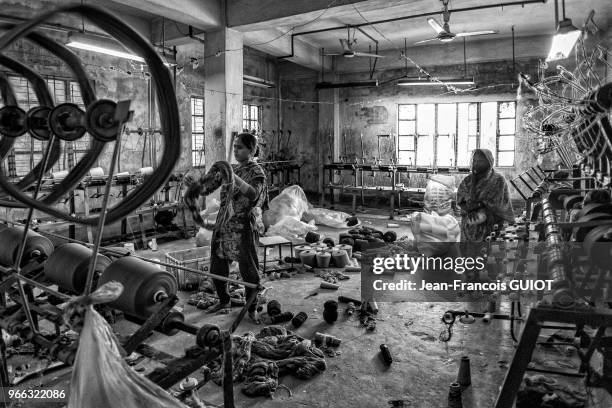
(239, 221)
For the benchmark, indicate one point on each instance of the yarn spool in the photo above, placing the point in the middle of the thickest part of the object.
(209, 335)
(309, 258)
(312, 237)
(36, 245)
(299, 319)
(145, 171)
(329, 242)
(464, 378)
(300, 248)
(274, 308)
(360, 245)
(386, 354)
(145, 285)
(354, 231)
(281, 318)
(323, 259)
(347, 241)
(96, 172)
(330, 311)
(454, 396)
(326, 340)
(350, 221)
(390, 236)
(347, 248)
(68, 266)
(327, 285)
(341, 258)
(58, 176)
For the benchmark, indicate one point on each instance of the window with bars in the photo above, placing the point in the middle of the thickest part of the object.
(506, 129)
(251, 118)
(445, 134)
(197, 131)
(406, 134)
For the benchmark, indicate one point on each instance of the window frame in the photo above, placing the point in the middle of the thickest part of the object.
(250, 120)
(471, 138)
(197, 136)
(498, 135)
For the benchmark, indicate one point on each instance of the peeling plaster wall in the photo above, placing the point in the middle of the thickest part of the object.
(300, 115)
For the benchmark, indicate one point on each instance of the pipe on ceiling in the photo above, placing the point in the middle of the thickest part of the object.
(389, 20)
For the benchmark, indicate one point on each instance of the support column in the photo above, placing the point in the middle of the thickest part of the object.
(223, 98)
(329, 130)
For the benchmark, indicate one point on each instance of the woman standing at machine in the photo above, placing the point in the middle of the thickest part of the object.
(235, 239)
(484, 198)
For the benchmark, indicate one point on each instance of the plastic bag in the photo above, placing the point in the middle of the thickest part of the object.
(203, 237)
(434, 234)
(323, 216)
(291, 202)
(100, 377)
(439, 194)
(291, 229)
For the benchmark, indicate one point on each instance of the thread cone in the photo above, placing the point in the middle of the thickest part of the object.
(454, 396)
(464, 378)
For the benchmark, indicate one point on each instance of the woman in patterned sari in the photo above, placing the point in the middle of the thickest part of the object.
(483, 193)
(239, 222)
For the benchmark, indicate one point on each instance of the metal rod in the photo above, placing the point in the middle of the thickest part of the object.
(433, 13)
(102, 219)
(45, 288)
(24, 237)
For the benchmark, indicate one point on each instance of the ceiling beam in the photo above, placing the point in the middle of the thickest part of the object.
(247, 15)
(202, 14)
(274, 43)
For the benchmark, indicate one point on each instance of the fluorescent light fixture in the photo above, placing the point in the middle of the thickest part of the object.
(254, 81)
(352, 84)
(106, 45)
(427, 82)
(564, 41)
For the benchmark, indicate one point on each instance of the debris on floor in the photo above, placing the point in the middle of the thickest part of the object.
(261, 359)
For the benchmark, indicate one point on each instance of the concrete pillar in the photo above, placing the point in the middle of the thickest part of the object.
(329, 130)
(223, 98)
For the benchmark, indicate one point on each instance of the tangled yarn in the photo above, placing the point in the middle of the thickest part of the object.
(220, 173)
(260, 359)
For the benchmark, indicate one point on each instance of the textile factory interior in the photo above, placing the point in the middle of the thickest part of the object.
(323, 203)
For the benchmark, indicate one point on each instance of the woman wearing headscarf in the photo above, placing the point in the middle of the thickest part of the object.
(239, 221)
(484, 198)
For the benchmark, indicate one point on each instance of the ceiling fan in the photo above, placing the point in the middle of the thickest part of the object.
(444, 32)
(347, 48)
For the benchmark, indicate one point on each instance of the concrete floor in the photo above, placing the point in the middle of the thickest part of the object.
(423, 366)
(422, 369)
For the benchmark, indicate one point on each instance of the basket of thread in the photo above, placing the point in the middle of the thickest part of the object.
(193, 258)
